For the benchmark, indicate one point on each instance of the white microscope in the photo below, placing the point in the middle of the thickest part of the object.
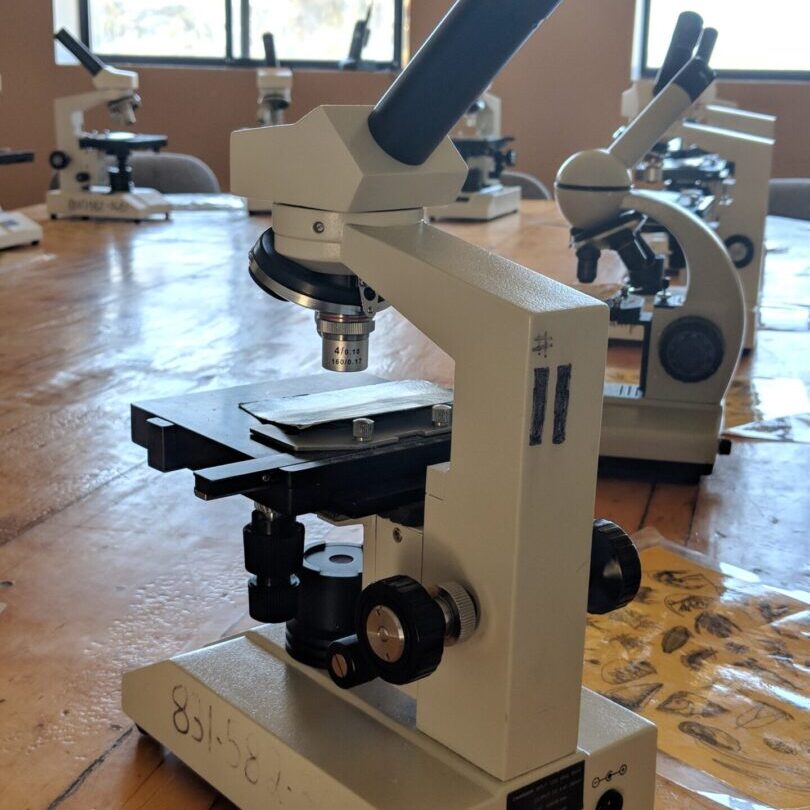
(479, 140)
(718, 151)
(16, 228)
(668, 425)
(474, 578)
(90, 187)
(274, 84)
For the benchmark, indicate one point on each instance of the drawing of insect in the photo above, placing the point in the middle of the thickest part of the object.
(619, 672)
(688, 704)
(683, 605)
(675, 638)
(685, 580)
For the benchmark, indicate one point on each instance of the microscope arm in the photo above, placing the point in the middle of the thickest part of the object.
(714, 289)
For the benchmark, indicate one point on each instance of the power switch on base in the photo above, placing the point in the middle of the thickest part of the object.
(610, 800)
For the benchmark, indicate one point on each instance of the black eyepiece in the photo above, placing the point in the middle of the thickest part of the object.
(450, 71)
(85, 56)
(270, 58)
(705, 48)
(684, 39)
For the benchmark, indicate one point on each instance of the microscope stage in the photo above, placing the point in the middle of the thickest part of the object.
(214, 434)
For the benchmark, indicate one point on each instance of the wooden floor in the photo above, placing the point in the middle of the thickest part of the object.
(105, 564)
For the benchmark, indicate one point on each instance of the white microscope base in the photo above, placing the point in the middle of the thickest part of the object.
(482, 206)
(641, 429)
(268, 732)
(17, 229)
(98, 203)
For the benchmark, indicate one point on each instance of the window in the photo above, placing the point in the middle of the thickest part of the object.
(307, 33)
(755, 41)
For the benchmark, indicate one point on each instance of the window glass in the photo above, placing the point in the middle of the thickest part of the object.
(321, 29)
(172, 28)
(753, 36)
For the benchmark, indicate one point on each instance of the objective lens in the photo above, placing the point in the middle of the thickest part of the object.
(345, 341)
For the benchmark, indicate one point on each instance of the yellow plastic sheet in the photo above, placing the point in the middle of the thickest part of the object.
(722, 666)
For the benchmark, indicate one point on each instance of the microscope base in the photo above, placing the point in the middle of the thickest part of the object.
(99, 203)
(267, 732)
(481, 206)
(669, 440)
(17, 229)
(261, 207)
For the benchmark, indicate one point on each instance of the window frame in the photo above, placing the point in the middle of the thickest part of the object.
(232, 60)
(734, 75)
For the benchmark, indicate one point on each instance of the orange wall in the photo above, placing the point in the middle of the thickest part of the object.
(561, 93)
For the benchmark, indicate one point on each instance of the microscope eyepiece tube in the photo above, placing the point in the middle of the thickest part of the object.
(270, 58)
(450, 71)
(684, 39)
(85, 56)
(705, 48)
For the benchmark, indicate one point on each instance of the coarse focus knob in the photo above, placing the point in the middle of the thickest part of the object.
(401, 629)
(691, 349)
(615, 568)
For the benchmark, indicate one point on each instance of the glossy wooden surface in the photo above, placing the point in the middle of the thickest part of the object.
(106, 564)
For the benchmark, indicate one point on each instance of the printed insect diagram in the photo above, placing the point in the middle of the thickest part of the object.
(722, 666)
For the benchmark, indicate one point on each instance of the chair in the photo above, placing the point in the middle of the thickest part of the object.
(173, 173)
(530, 186)
(790, 197)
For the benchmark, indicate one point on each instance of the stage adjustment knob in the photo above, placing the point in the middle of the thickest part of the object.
(403, 627)
(691, 349)
(615, 568)
(274, 553)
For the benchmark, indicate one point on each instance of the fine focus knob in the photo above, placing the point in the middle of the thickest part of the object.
(348, 665)
(691, 349)
(401, 629)
(615, 568)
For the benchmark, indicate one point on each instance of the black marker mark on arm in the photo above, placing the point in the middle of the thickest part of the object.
(539, 396)
(562, 397)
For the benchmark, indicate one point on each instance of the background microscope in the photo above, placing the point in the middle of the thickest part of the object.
(474, 572)
(274, 84)
(717, 162)
(15, 228)
(668, 424)
(487, 153)
(89, 185)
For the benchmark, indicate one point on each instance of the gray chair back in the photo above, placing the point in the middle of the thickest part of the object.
(173, 173)
(530, 186)
(790, 197)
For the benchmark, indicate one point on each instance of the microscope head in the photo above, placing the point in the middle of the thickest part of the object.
(106, 78)
(343, 165)
(591, 186)
(274, 84)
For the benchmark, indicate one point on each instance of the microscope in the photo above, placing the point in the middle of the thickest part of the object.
(440, 665)
(487, 153)
(361, 33)
(667, 425)
(95, 175)
(15, 228)
(274, 84)
(717, 161)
